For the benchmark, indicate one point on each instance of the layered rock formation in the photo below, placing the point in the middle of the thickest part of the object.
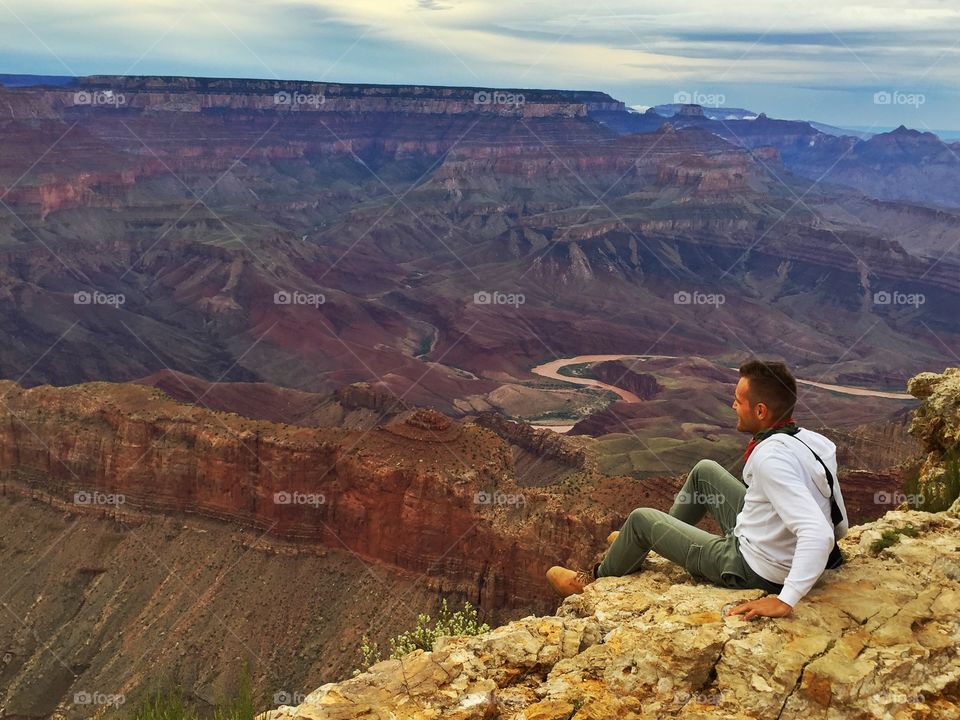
(619, 374)
(878, 638)
(539, 441)
(936, 425)
(422, 493)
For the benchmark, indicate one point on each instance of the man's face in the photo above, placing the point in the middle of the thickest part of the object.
(749, 418)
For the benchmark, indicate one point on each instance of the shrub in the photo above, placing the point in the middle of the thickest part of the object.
(891, 537)
(170, 705)
(423, 635)
(940, 495)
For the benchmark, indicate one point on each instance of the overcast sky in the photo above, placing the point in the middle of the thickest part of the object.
(817, 59)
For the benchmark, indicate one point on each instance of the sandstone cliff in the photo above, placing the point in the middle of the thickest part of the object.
(419, 492)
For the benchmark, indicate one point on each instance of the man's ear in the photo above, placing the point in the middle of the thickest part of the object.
(760, 410)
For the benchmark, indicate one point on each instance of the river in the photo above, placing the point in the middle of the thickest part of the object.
(552, 370)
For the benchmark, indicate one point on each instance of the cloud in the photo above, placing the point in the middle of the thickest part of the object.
(432, 5)
(747, 51)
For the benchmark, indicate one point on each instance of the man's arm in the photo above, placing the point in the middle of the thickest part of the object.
(783, 484)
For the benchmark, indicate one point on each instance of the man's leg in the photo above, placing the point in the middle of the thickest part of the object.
(649, 529)
(710, 488)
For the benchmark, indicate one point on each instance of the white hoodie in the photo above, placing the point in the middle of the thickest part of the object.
(784, 527)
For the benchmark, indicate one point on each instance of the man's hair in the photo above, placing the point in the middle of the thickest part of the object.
(772, 384)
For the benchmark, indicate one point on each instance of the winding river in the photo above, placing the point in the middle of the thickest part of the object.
(552, 370)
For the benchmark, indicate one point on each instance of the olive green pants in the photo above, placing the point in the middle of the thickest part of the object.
(709, 488)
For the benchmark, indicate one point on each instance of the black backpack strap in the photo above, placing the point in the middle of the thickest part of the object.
(836, 515)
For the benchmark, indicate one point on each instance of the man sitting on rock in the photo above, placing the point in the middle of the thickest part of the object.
(777, 529)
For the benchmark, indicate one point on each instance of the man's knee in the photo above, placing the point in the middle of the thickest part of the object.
(706, 466)
(642, 518)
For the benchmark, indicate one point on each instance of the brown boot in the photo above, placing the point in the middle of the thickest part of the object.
(568, 582)
(611, 537)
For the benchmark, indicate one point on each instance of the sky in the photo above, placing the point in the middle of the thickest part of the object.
(877, 66)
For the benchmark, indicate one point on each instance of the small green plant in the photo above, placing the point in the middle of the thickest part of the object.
(241, 705)
(891, 537)
(171, 705)
(423, 635)
(369, 655)
(936, 497)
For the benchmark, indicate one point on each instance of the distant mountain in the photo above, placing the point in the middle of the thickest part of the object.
(16, 81)
(839, 131)
(714, 113)
(901, 165)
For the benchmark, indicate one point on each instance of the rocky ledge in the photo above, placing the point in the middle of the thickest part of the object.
(877, 638)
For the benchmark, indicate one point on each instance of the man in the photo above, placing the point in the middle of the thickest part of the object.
(777, 529)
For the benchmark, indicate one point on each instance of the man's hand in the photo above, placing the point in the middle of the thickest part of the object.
(769, 606)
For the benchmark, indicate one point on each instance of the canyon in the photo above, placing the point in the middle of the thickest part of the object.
(310, 235)
(280, 362)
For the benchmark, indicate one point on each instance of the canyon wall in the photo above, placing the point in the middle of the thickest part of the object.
(442, 503)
